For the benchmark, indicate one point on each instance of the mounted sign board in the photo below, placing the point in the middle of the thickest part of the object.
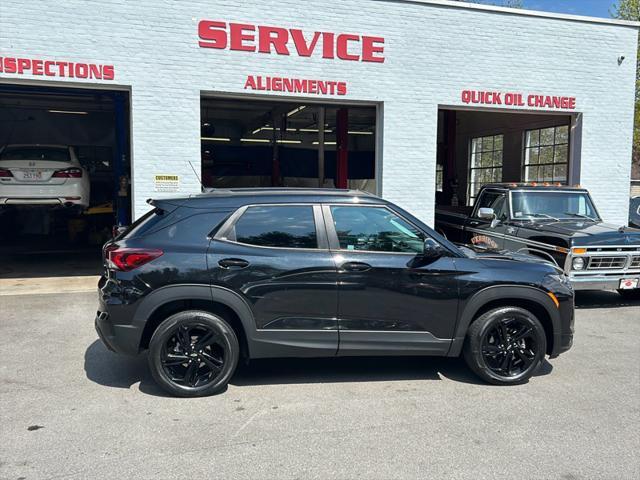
(166, 183)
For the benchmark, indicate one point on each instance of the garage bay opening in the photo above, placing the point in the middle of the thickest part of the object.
(256, 143)
(477, 147)
(64, 177)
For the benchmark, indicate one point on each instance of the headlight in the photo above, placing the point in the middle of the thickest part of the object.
(578, 263)
(560, 278)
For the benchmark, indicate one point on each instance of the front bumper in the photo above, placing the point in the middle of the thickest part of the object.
(599, 282)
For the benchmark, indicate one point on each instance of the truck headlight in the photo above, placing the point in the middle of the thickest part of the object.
(578, 263)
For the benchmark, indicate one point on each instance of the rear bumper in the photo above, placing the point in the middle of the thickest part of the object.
(118, 338)
(75, 193)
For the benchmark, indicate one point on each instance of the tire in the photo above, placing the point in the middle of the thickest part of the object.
(512, 363)
(630, 294)
(186, 368)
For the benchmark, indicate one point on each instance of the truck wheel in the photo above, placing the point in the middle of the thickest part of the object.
(630, 294)
(505, 346)
(193, 354)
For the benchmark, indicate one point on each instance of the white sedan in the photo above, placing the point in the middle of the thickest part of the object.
(42, 175)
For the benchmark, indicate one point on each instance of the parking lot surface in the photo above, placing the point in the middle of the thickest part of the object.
(71, 409)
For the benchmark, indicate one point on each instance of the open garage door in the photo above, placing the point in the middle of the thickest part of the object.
(259, 143)
(64, 177)
(476, 147)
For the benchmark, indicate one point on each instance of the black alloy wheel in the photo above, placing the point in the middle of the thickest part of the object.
(505, 346)
(509, 347)
(193, 353)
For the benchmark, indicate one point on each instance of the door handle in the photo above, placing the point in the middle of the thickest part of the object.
(233, 263)
(356, 267)
(474, 223)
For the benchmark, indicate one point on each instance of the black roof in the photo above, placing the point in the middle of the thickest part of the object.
(235, 197)
(534, 186)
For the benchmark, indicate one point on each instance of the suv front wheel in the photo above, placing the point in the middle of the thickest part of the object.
(505, 346)
(193, 353)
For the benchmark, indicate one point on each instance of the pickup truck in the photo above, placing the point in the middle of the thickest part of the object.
(558, 223)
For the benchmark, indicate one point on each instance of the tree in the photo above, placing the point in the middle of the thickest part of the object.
(630, 10)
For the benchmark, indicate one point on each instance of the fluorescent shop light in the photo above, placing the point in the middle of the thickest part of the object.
(360, 133)
(314, 130)
(258, 130)
(255, 140)
(326, 143)
(69, 112)
(216, 139)
(296, 110)
(289, 141)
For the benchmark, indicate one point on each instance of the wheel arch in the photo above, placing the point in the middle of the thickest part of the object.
(166, 301)
(531, 299)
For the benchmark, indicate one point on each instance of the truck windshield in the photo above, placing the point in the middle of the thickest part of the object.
(546, 204)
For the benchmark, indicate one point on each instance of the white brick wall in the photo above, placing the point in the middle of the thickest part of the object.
(433, 51)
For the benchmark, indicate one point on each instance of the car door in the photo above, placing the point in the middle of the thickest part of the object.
(484, 232)
(385, 305)
(277, 258)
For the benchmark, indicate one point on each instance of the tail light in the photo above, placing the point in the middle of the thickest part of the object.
(127, 259)
(4, 173)
(68, 173)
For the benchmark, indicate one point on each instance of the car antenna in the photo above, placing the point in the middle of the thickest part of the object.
(202, 189)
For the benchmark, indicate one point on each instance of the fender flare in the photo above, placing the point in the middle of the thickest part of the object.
(213, 293)
(501, 292)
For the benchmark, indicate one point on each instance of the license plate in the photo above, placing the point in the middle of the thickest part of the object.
(629, 283)
(32, 175)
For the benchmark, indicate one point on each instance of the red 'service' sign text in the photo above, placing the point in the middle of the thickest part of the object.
(283, 41)
(55, 68)
(482, 97)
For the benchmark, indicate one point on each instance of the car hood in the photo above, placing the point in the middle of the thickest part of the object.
(585, 232)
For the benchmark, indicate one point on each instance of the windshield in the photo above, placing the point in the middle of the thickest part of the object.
(552, 205)
(35, 153)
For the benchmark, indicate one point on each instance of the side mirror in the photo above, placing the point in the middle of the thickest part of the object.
(486, 213)
(431, 252)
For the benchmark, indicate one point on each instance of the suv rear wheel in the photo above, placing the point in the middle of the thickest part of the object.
(193, 353)
(505, 346)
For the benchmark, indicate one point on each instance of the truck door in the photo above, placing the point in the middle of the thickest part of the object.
(483, 232)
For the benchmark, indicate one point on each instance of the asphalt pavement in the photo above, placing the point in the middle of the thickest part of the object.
(71, 409)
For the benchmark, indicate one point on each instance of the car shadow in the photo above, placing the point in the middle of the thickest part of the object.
(586, 299)
(111, 370)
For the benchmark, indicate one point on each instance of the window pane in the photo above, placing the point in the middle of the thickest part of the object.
(487, 144)
(546, 155)
(497, 145)
(282, 226)
(546, 136)
(531, 174)
(487, 159)
(375, 229)
(533, 138)
(533, 155)
(497, 158)
(561, 154)
(560, 173)
(546, 173)
(562, 134)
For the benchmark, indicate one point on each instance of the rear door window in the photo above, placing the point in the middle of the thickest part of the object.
(282, 226)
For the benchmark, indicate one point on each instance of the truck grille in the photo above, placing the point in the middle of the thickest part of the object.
(635, 262)
(607, 263)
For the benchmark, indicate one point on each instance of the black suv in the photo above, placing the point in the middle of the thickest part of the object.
(205, 281)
